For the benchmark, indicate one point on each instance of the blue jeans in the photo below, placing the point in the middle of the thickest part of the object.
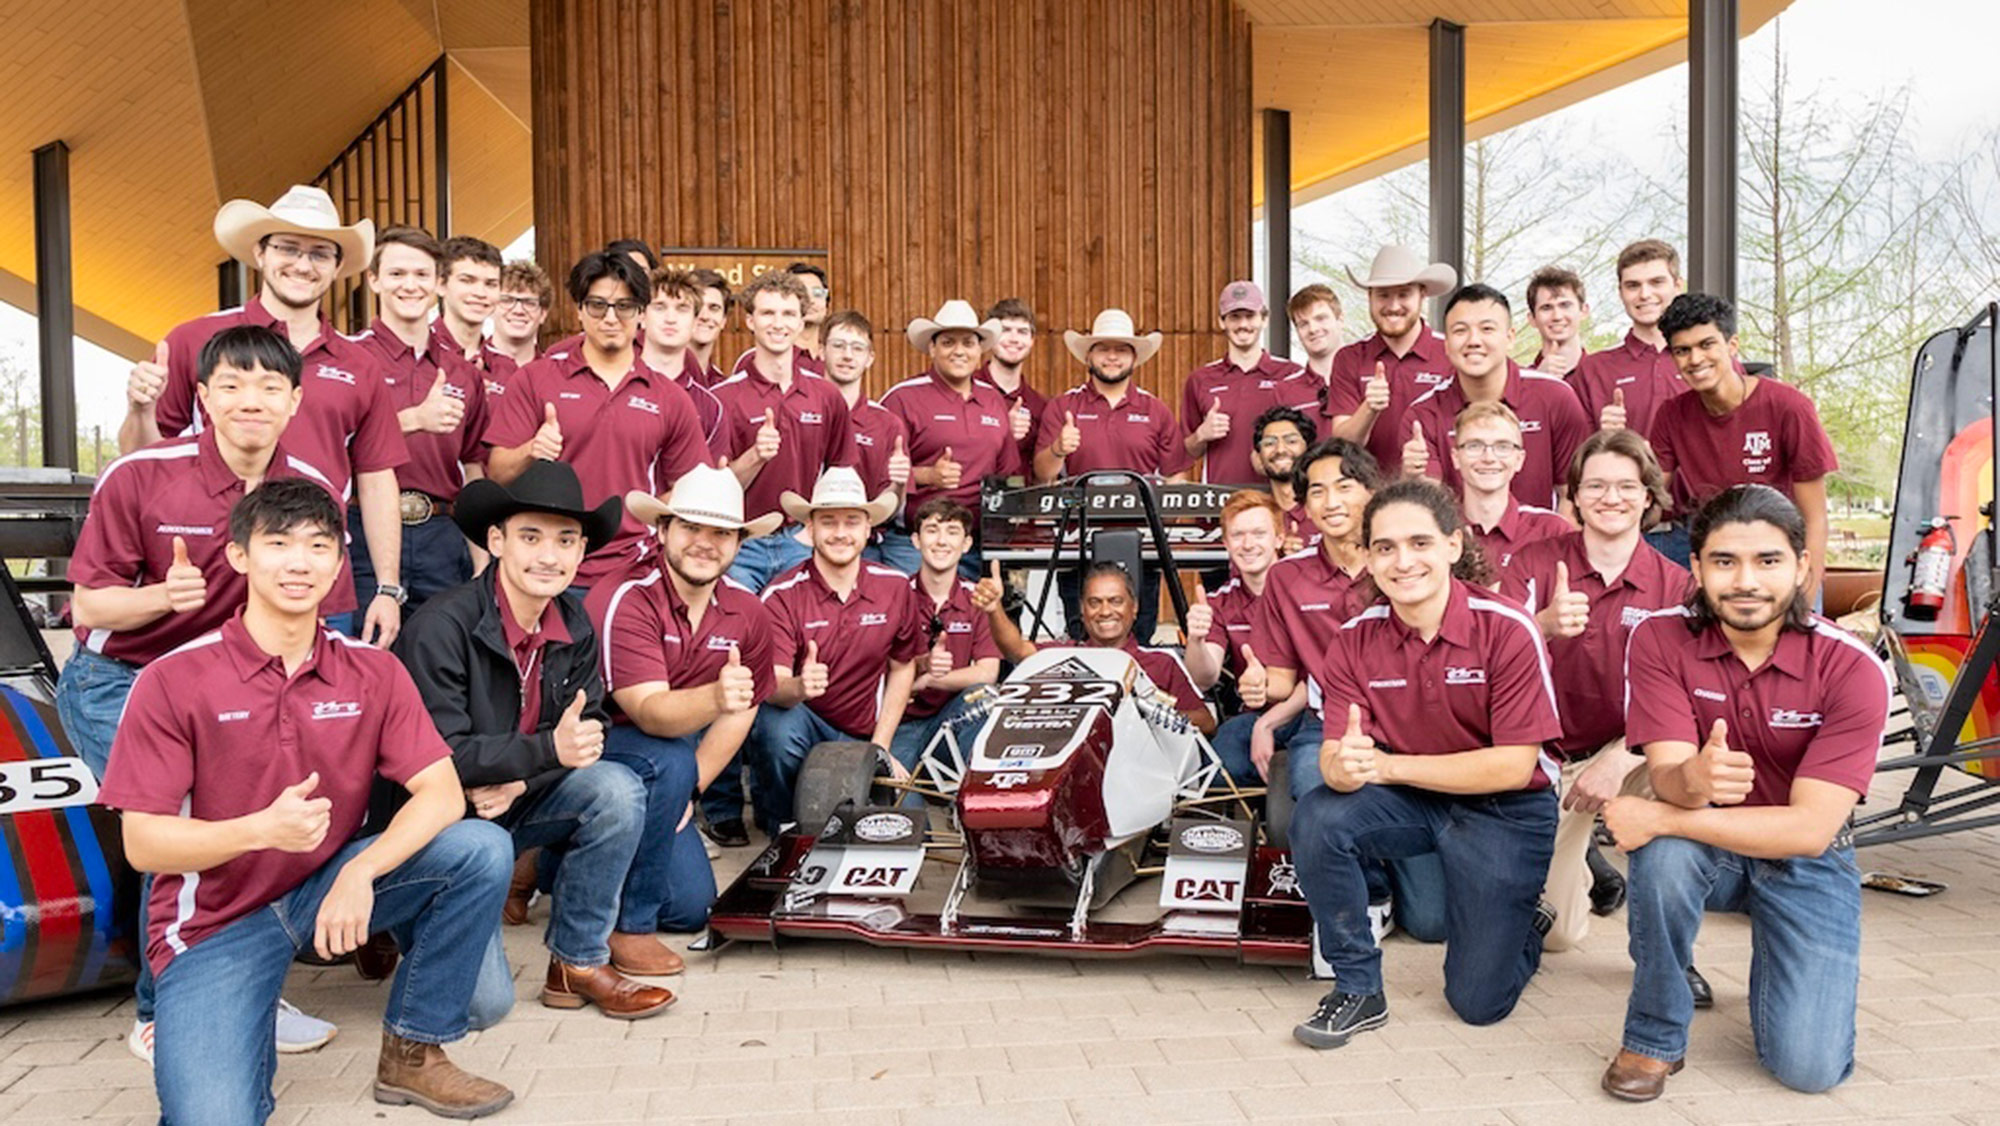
(763, 558)
(1494, 850)
(596, 815)
(670, 886)
(778, 744)
(214, 1055)
(1805, 952)
(1672, 542)
(894, 548)
(913, 736)
(436, 557)
(1299, 737)
(90, 698)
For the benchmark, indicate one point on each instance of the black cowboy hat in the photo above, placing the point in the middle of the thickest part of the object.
(545, 486)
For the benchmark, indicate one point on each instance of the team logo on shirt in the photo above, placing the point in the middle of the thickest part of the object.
(810, 418)
(1456, 675)
(1794, 719)
(1141, 418)
(874, 619)
(647, 405)
(1531, 426)
(1757, 451)
(1426, 377)
(989, 420)
(1631, 616)
(336, 709)
(328, 371)
(722, 644)
(454, 390)
(865, 440)
(958, 627)
(1266, 384)
(493, 388)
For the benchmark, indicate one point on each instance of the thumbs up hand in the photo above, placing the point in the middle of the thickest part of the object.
(440, 412)
(813, 674)
(1612, 417)
(295, 821)
(1717, 774)
(1200, 618)
(1416, 455)
(1253, 686)
(1351, 761)
(1568, 611)
(548, 443)
(949, 471)
(186, 588)
(1377, 394)
(735, 685)
(579, 741)
(987, 592)
(1071, 438)
(899, 464)
(1214, 425)
(940, 661)
(769, 438)
(148, 379)
(1020, 420)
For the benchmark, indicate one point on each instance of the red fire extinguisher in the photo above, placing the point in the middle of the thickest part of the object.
(1930, 570)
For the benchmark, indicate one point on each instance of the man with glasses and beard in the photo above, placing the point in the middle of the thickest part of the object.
(1281, 436)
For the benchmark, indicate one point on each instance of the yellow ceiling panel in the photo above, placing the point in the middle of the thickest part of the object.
(492, 166)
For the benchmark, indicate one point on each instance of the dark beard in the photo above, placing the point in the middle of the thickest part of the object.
(1111, 379)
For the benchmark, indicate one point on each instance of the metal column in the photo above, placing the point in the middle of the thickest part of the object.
(55, 308)
(1712, 106)
(1278, 226)
(1447, 150)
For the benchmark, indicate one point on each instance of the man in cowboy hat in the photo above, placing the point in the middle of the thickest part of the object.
(346, 423)
(959, 427)
(507, 668)
(848, 634)
(1221, 399)
(1376, 379)
(687, 655)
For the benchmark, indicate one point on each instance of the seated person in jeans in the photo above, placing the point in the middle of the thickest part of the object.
(1760, 722)
(848, 637)
(242, 767)
(507, 667)
(1438, 703)
(962, 655)
(687, 654)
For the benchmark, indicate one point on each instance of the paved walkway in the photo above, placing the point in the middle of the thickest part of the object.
(824, 1029)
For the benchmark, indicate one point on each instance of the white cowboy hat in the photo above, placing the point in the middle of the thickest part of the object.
(953, 314)
(704, 495)
(839, 488)
(1112, 326)
(304, 210)
(1399, 265)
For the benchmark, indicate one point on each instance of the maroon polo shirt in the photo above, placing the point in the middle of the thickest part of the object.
(640, 435)
(1244, 395)
(1519, 526)
(1553, 425)
(442, 340)
(1483, 681)
(1297, 523)
(965, 631)
(1306, 597)
(1773, 437)
(972, 425)
(1542, 354)
(1815, 709)
(1411, 377)
(176, 487)
(645, 636)
(814, 432)
(1232, 609)
(707, 408)
(1139, 433)
(435, 459)
(214, 730)
(878, 623)
(876, 432)
(1645, 375)
(805, 361)
(345, 423)
(1590, 667)
(496, 364)
(526, 647)
(1023, 396)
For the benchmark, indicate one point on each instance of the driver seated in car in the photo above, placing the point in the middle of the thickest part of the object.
(1110, 607)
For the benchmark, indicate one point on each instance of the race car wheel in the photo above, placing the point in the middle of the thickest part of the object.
(1278, 801)
(834, 773)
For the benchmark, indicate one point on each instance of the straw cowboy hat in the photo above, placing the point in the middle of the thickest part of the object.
(839, 488)
(304, 210)
(953, 314)
(1112, 326)
(705, 495)
(1399, 265)
(545, 486)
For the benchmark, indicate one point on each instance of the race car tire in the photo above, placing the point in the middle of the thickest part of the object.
(1278, 801)
(832, 774)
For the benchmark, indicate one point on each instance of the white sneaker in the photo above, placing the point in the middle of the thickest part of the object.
(139, 1041)
(297, 1032)
(1382, 919)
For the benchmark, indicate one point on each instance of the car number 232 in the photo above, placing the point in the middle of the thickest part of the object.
(1046, 693)
(47, 783)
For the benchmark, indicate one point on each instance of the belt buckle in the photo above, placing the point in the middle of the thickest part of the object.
(417, 508)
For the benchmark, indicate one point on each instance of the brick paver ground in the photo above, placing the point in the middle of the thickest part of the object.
(819, 1030)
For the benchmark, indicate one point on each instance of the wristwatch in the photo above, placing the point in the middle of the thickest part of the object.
(400, 594)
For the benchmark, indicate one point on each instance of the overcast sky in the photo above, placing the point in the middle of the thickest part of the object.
(1942, 48)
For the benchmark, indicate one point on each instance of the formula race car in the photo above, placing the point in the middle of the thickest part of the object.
(1035, 822)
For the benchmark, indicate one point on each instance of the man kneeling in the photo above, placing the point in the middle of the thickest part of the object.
(242, 765)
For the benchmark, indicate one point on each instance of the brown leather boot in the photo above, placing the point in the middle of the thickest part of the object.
(614, 994)
(521, 890)
(1638, 1079)
(413, 1072)
(643, 955)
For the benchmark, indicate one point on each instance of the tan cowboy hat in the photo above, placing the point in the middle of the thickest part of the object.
(1399, 265)
(706, 495)
(304, 210)
(953, 314)
(1112, 326)
(839, 488)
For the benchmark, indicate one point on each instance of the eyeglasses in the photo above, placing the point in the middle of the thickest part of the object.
(1594, 490)
(1481, 449)
(596, 307)
(1275, 441)
(816, 292)
(520, 301)
(293, 252)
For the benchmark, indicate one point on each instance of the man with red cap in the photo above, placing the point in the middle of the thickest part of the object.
(1220, 400)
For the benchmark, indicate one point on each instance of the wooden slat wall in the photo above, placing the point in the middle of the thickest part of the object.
(1076, 154)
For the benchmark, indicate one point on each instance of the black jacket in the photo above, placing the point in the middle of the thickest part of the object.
(458, 655)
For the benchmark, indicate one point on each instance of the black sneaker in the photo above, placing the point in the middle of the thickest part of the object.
(727, 834)
(1607, 884)
(1339, 1017)
(1704, 995)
